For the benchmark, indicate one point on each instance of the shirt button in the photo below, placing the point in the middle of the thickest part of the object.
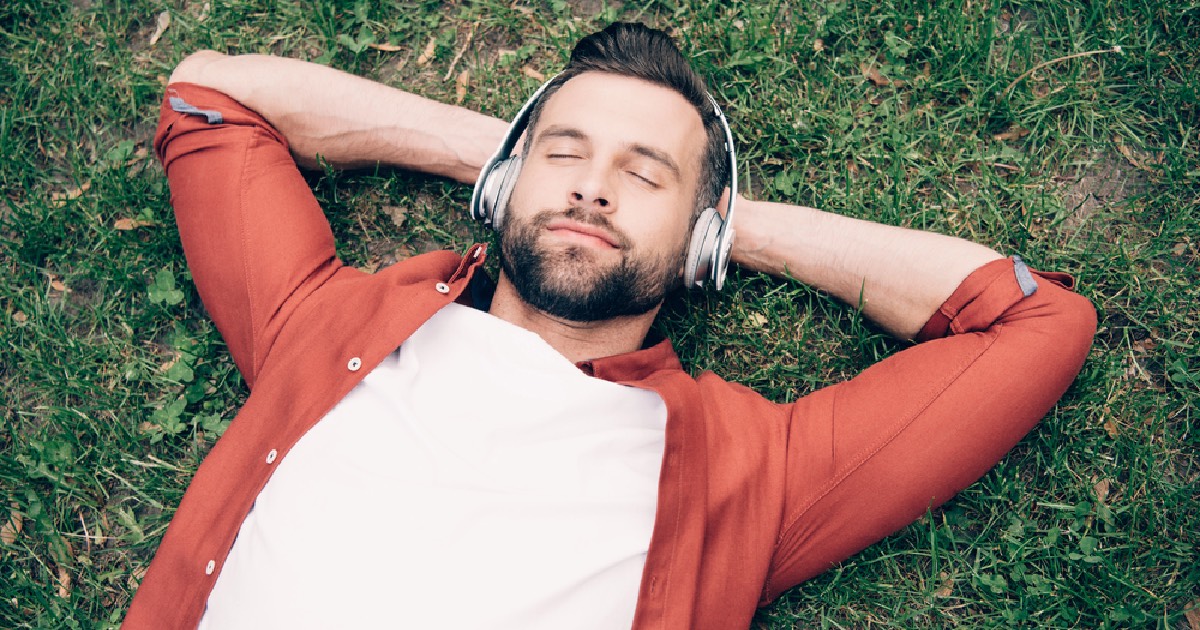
(354, 364)
(210, 567)
(271, 456)
(442, 287)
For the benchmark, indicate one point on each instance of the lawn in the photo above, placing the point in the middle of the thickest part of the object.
(1064, 132)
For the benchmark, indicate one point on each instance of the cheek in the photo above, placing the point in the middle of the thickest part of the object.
(519, 199)
(682, 228)
(671, 240)
(531, 188)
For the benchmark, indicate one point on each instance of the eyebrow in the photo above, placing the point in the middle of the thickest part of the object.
(649, 152)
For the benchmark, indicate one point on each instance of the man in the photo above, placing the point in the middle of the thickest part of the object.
(405, 460)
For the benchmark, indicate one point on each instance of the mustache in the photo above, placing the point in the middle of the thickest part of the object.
(586, 217)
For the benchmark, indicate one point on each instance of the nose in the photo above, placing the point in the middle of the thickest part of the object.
(592, 190)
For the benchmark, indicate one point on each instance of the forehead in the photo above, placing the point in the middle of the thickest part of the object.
(622, 110)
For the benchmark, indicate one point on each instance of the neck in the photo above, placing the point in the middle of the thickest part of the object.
(577, 341)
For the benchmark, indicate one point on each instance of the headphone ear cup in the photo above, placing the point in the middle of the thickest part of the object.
(498, 188)
(703, 248)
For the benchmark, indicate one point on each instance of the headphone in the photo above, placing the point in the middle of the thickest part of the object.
(712, 237)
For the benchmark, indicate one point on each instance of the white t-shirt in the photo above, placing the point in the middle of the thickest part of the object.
(475, 479)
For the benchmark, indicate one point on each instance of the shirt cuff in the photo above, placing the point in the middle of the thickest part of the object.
(189, 107)
(985, 295)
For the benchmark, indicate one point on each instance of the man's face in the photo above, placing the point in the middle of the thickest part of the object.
(600, 217)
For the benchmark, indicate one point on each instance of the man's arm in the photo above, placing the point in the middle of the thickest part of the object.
(870, 455)
(230, 134)
(349, 121)
(901, 275)
(898, 276)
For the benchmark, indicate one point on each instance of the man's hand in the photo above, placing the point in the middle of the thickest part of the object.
(899, 277)
(349, 121)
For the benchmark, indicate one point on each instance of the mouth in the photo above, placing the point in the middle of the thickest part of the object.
(583, 233)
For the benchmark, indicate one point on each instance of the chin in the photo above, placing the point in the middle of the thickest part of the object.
(571, 284)
(580, 282)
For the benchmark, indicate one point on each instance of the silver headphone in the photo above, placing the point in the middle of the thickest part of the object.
(712, 236)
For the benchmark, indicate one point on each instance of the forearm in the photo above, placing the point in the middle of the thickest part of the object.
(898, 276)
(350, 121)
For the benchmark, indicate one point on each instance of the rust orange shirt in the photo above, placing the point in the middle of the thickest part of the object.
(754, 496)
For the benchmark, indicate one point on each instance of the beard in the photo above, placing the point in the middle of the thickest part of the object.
(570, 282)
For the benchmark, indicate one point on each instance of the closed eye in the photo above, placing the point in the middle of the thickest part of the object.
(645, 180)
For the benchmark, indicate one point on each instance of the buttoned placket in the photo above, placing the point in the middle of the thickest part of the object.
(354, 364)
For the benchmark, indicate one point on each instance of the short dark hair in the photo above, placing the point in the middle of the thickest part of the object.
(638, 51)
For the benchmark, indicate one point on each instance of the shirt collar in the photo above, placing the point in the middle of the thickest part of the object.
(633, 366)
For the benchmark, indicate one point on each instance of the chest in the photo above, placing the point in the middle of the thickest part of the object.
(539, 478)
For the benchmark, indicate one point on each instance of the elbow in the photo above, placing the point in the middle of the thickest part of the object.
(1079, 324)
(1071, 335)
(191, 69)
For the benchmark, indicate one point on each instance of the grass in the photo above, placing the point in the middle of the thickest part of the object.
(978, 118)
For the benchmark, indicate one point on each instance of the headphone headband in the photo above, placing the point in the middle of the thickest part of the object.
(720, 261)
(708, 258)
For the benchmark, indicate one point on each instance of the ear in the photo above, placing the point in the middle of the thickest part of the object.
(504, 178)
(701, 249)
